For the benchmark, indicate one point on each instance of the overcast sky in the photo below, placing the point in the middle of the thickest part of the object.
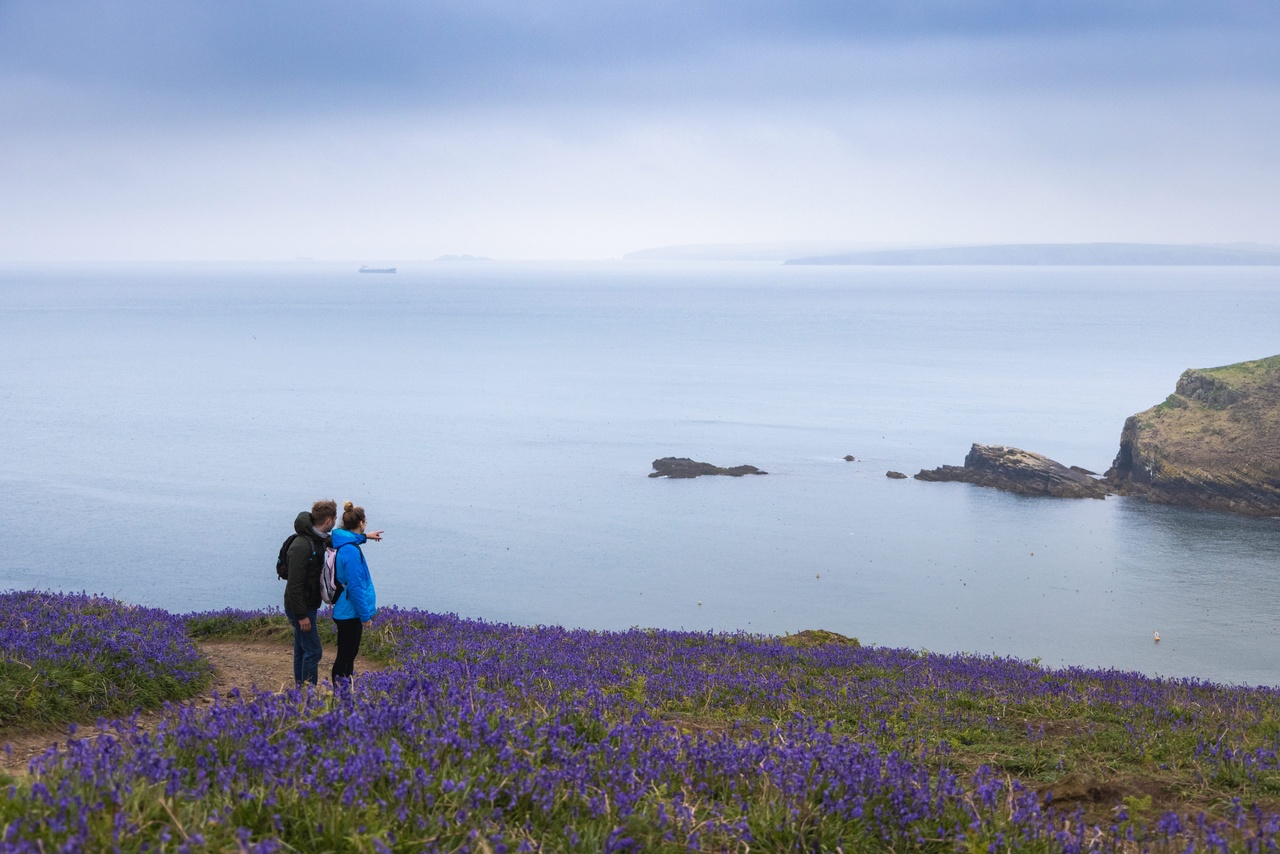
(566, 128)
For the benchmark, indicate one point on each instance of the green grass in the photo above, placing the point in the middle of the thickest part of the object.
(74, 658)
(1246, 375)
(34, 699)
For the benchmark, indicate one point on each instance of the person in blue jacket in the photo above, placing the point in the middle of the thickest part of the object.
(357, 603)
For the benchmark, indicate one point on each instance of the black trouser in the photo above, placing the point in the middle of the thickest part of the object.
(349, 633)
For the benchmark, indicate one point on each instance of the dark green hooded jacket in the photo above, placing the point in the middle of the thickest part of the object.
(305, 559)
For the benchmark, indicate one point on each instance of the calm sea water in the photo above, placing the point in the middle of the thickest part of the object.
(161, 427)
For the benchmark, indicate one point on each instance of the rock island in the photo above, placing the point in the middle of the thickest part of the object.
(677, 467)
(1019, 471)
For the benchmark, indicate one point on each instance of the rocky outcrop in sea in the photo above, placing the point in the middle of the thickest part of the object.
(1019, 471)
(677, 467)
(1213, 443)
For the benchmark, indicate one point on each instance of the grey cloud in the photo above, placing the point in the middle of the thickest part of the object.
(138, 128)
(189, 58)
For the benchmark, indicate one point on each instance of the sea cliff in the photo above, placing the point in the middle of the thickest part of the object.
(1213, 443)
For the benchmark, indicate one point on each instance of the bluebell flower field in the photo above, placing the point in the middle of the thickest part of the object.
(67, 656)
(483, 737)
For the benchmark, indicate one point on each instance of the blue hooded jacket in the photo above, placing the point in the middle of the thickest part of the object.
(357, 598)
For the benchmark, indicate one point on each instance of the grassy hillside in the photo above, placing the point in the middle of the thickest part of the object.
(490, 737)
(69, 657)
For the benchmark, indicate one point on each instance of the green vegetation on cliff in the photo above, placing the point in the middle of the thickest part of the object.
(1212, 443)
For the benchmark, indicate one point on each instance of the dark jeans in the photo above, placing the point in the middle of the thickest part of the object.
(306, 650)
(349, 634)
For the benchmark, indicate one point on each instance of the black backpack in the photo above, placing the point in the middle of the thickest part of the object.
(282, 562)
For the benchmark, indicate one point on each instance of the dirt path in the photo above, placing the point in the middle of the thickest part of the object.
(243, 664)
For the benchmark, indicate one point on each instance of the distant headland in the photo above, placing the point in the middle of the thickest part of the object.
(1060, 254)
(774, 252)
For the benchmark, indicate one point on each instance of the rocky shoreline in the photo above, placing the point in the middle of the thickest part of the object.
(1213, 444)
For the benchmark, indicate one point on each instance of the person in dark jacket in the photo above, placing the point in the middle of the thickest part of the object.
(305, 559)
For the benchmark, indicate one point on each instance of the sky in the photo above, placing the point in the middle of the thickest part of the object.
(384, 130)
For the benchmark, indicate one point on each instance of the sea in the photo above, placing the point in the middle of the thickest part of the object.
(162, 425)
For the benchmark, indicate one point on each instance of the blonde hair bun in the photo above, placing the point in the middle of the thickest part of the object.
(347, 505)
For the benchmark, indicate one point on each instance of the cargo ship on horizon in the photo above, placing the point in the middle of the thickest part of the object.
(364, 269)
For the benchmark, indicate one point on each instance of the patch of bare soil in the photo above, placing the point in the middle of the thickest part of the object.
(250, 665)
(1100, 797)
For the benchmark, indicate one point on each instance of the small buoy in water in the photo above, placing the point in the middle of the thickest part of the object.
(817, 575)
(699, 603)
(1157, 637)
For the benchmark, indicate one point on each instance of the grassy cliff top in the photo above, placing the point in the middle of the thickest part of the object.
(1245, 376)
(1223, 419)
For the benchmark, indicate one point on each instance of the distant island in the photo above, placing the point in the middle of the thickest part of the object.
(1060, 254)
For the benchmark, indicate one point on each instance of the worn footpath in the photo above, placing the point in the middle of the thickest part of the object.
(249, 665)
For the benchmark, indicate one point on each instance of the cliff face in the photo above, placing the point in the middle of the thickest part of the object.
(1214, 442)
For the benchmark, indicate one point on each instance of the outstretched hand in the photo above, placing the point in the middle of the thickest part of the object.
(374, 535)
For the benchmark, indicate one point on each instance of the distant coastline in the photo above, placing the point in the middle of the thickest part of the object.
(1060, 254)
(780, 251)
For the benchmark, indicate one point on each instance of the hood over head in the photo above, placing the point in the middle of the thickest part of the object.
(341, 537)
(304, 527)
